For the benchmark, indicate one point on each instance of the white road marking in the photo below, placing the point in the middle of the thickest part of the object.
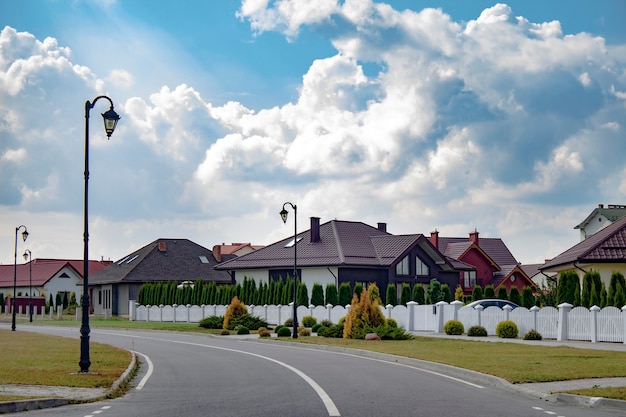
(328, 402)
(148, 374)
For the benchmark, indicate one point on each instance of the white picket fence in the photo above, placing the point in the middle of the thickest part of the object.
(562, 323)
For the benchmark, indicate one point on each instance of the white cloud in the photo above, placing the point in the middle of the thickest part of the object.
(14, 155)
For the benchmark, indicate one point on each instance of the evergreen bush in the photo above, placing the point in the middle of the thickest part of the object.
(234, 310)
(263, 332)
(283, 332)
(477, 331)
(345, 294)
(326, 323)
(418, 294)
(243, 330)
(332, 297)
(502, 294)
(405, 293)
(303, 331)
(533, 335)
(212, 322)
(288, 322)
(391, 323)
(315, 327)
(507, 329)
(251, 322)
(317, 295)
(490, 292)
(515, 297)
(453, 327)
(391, 295)
(277, 328)
(308, 321)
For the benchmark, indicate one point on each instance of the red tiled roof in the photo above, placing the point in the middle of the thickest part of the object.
(43, 270)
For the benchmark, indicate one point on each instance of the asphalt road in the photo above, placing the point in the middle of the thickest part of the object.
(198, 375)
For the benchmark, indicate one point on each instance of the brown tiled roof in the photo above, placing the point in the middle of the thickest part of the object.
(340, 243)
(163, 260)
(608, 246)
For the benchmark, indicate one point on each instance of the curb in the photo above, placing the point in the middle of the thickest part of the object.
(40, 403)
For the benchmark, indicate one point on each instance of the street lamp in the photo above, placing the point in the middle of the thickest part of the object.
(110, 121)
(24, 236)
(28, 254)
(283, 215)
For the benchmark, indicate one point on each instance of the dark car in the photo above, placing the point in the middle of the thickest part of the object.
(492, 302)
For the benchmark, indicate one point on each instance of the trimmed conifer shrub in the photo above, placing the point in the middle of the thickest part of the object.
(212, 322)
(283, 332)
(533, 335)
(303, 331)
(234, 310)
(477, 331)
(243, 330)
(315, 327)
(308, 321)
(332, 297)
(453, 327)
(263, 332)
(317, 295)
(345, 294)
(507, 329)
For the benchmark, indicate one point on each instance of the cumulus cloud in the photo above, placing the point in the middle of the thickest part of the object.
(415, 120)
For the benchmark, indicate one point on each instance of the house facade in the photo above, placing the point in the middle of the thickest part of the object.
(492, 261)
(45, 277)
(603, 252)
(600, 218)
(342, 251)
(162, 260)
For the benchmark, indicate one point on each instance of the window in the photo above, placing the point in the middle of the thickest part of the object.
(469, 279)
(203, 259)
(420, 267)
(132, 259)
(402, 268)
(292, 242)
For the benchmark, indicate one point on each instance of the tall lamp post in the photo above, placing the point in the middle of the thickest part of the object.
(110, 121)
(24, 236)
(283, 215)
(28, 254)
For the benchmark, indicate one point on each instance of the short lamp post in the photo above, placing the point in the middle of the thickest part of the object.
(24, 236)
(283, 215)
(28, 255)
(110, 121)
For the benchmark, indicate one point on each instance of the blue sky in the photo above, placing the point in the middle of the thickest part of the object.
(505, 118)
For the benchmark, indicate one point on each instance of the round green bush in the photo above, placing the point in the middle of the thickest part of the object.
(288, 323)
(477, 331)
(507, 329)
(453, 327)
(308, 321)
(243, 330)
(533, 335)
(315, 327)
(277, 328)
(283, 332)
(391, 323)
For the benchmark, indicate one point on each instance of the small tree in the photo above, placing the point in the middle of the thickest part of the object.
(477, 293)
(502, 294)
(418, 294)
(345, 294)
(317, 295)
(391, 295)
(332, 297)
(405, 294)
(445, 290)
(374, 293)
(515, 297)
(363, 315)
(458, 293)
(234, 310)
(568, 288)
(528, 299)
(358, 289)
(434, 292)
(490, 292)
(303, 295)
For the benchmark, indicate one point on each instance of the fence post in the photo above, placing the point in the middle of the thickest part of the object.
(410, 309)
(439, 307)
(280, 321)
(188, 312)
(564, 310)
(59, 312)
(174, 306)
(594, 323)
(132, 310)
(507, 311)
(624, 315)
(148, 313)
(457, 305)
(388, 310)
(479, 309)
(265, 312)
(329, 309)
(535, 311)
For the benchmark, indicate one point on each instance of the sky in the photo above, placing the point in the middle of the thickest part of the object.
(455, 116)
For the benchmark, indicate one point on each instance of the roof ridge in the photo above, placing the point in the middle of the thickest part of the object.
(342, 258)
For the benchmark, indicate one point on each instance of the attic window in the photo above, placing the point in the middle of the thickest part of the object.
(292, 242)
(122, 261)
(64, 275)
(132, 259)
(203, 259)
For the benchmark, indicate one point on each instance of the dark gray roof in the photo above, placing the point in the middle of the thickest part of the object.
(606, 246)
(493, 247)
(163, 260)
(341, 243)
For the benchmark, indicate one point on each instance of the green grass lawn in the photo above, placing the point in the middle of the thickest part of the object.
(49, 360)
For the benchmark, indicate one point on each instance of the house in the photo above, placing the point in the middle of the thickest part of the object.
(45, 277)
(492, 261)
(344, 251)
(542, 279)
(603, 252)
(159, 261)
(600, 218)
(225, 252)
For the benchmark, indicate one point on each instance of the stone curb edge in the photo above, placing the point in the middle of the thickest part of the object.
(40, 403)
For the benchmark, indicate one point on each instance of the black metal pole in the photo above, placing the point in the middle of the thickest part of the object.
(85, 304)
(25, 234)
(84, 327)
(30, 285)
(295, 271)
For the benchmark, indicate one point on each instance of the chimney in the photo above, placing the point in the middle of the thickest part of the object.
(315, 229)
(382, 227)
(600, 205)
(217, 253)
(434, 238)
(162, 247)
(473, 237)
